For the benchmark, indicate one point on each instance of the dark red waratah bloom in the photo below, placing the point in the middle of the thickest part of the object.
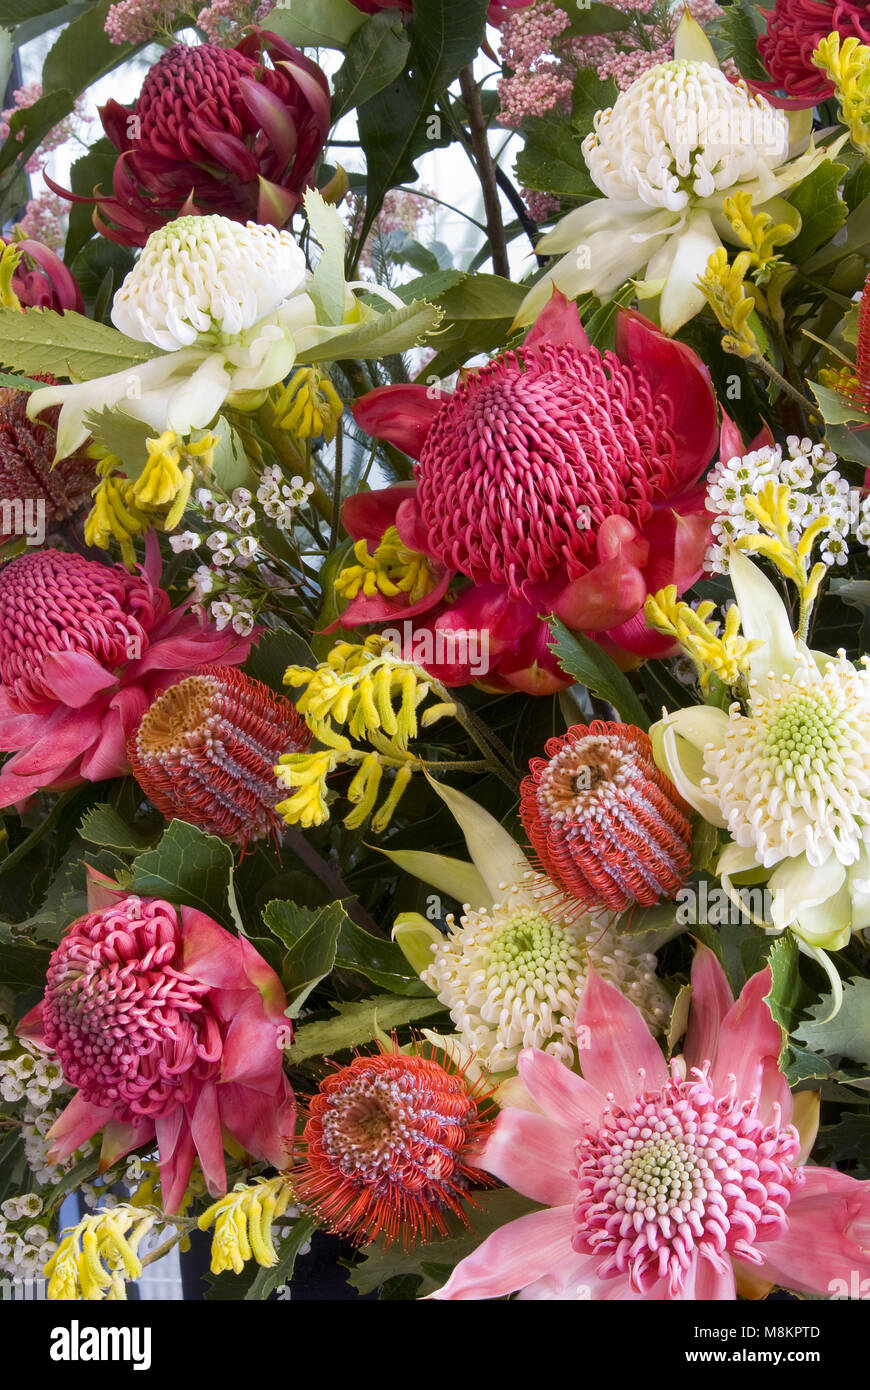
(84, 650)
(558, 479)
(206, 749)
(27, 478)
(794, 30)
(41, 280)
(170, 1028)
(215, 130)
(387, 1147)
(605, 823)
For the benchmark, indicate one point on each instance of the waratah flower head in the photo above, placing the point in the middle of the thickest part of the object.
(683, 1183)
(513, 975)
(795, 28)
(40, 280)
(387, 1147)
(200, 279)
(205, 750)
(605, 823)
(27, 478)
(170, 1028)
(683, 130)
(235, 131)
(84, 650)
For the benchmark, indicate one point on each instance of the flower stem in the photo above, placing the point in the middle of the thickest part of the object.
(485, 172)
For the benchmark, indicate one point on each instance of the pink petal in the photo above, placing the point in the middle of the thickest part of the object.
(176, 1153)
(748, 1037)
(263, 1124)
(400, 414)
(558, 323)
(560, 1092)
(615, 1045)
(32, 1026)
(78, 1122)
(679, 539)
(828, 1237)
(633, 639)
(513, 1256)
(711, 1001)
(205, 1129)
(367, 515)
(713, 1285)
(532, 1154)
(75, 677)
(574, 1279)
(252, 1049)
(120, 1139)
(267, 984)
(210, 953)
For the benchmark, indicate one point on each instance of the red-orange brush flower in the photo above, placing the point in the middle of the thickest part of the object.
(205, 752)
(387, 1147)
(606, 824)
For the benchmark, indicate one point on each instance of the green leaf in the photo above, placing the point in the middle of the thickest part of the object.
(376, 54)
(82, 53)
(355, 1024)
(311, 938)
(444, 36)
(93, 169)
(32, 124)
(739, 27)
(20, 383)
(380, 961)
(821, 208)
(189, 868)
(836, 409)
(19, 11)
(23, 965)
(100, 268)
(581, 658)
(782, 957)
(279, 1276)
(551, 159)
(857, 237)
(231, 467)
(103, 826)
(316, 23)
(478, 313)
(123, 436)
(44, 341)
(396, 330)
(849, 444)
(848, 1143)
(847, 1034)
(803, 1065)
(593, 18)
(327, 285)
(274, 652)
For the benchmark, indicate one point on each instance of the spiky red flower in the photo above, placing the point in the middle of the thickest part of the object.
(387, 1147)
(27, 477)
(170, 1028)
(206, 748)
(606, 824)
(235, 131)
(794, 31)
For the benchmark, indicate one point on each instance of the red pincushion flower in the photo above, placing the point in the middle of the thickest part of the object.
(215, 130)
(606, 824)
(387, 1145)
(794, 31)
(206, 749)
(169, 1027)
(84, 650)
(559, 480)
(27, 474)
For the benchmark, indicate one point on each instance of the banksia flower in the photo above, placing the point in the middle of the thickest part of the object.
(608, 827)
(205, 751)
(26, 473)
(235, 131)
(387, 1147)
(170, 1028)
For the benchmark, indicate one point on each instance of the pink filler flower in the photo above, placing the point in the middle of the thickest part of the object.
(171, 1028)
(84, 650)
(665, 1185)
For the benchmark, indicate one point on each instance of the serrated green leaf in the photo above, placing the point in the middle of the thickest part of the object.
(396, 330)
(375, 55)
(103, 826)
(847, 1034)
(739, 27)
(355, 1024)
(44, 341)
(581, 658)
(123, 436)
(311, 938)
(782, 957)
(848, 1142)
(836, 409)
(377, 959)
(190, 868)
(279, 1276)
(551, 159)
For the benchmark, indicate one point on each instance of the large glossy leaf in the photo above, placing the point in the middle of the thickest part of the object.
(311, 939)
(358, 1023)
(190, 868)
(591, 666)
(44, 341)
(376, 54)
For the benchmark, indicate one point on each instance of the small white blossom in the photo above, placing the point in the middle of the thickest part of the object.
(185, 540)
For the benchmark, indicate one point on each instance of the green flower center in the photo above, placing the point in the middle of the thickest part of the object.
(808, 733)
(532, 946)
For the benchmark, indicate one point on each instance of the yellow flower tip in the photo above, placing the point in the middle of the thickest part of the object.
(391, 569)
(243, 1221)
(309, 406)
(95, 1258)
(9, 259)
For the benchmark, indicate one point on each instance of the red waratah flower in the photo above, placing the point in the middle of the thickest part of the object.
(28, 478)
(558, 479)
(794, 30)
(206, 749)
(170, 1028)
(387, 1147)
(215, 130)
(85, 648)
(605, 823)
(41, 280)
(667, 1183)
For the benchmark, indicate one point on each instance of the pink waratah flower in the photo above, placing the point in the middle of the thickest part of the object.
(558, 479)
(85, 648)
(170, 1028)
(41, 280)
(680, 1183)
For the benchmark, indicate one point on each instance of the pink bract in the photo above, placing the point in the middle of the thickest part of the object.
(172, 1029)
(84, 649)
(661, 1183)
(558, 479)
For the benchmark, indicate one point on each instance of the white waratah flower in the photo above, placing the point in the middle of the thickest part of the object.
(788, 777)
(512, 976)
(674, 145)
(206, 277)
